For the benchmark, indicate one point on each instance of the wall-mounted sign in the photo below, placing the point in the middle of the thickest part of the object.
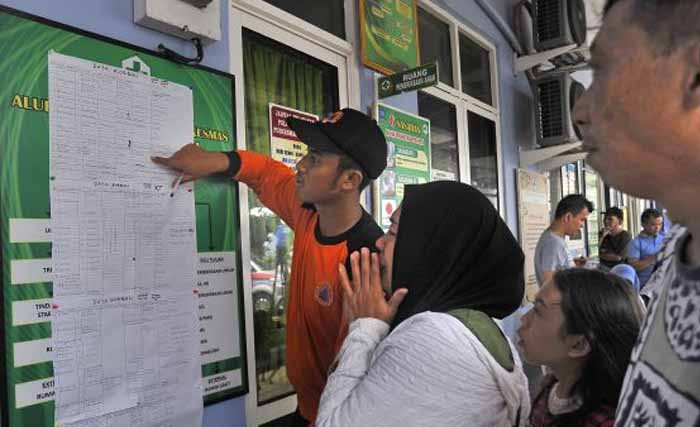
(533, 220)
(408, 158)
(406, 81)
(389, 35)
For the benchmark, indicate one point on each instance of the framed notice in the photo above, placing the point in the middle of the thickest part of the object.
(533, 219)
(408, 158)
(26, 360)
(389, 35)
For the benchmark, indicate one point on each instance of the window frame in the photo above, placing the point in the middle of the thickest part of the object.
(457, 28)
(262, 7)
(464, 103)
(462, 172)
(283, 25)
(499, 153)
(598, 203)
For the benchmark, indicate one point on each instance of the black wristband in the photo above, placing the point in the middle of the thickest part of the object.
(234, 163)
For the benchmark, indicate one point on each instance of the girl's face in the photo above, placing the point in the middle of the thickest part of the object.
(542, 334)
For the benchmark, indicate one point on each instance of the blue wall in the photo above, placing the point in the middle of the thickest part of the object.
(115, 19)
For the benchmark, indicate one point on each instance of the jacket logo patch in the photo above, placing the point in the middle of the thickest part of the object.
(324, 295)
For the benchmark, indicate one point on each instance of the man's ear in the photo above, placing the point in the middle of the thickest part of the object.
(351, 180)
(578, 346)
(691, 95)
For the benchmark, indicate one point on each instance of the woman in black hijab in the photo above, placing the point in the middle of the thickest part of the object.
(450, 264)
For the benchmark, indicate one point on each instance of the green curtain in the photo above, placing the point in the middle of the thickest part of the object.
(272, 75)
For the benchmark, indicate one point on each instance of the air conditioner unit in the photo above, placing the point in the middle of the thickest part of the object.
(555, 95)
(199, 3)
(558, 23)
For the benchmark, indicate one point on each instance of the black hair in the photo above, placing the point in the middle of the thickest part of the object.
(649, 214)
(573, 204)
(670, 24)
(346, 162)
(603, 308)
(616, 212)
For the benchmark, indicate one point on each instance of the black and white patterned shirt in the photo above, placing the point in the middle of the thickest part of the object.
(662, 384)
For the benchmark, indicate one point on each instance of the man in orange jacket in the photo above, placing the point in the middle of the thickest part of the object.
(321, 203)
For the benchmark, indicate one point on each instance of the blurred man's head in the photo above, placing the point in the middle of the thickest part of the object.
(652, 222)
(613, 219)
(641, 115)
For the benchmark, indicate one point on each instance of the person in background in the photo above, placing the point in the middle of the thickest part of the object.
(628, 273)
(437, 358)
(641, 252)
(582, 327)
(551, 253)
(639, 120)
(614, 240)
(281, 233)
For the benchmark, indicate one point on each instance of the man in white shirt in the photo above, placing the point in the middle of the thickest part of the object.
(551, 253)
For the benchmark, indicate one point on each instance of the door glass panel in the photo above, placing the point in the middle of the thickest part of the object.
(593, 225)
(326, 14)
(483, 161)
(443, 136)
(476, 71)
(434, 38)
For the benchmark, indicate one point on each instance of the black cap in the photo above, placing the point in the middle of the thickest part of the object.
(614, 211)
(348, 132)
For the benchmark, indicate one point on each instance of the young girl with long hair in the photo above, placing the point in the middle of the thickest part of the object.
(582, 328)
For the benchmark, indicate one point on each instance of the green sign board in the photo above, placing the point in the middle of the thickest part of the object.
(389, 35)
(408, 158)
(26, 367)
(406, 81)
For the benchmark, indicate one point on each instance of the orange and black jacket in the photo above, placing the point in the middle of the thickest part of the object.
(315, 325)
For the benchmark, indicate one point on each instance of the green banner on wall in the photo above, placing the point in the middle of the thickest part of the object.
(408, 158)
(389, 35)
(25, 233)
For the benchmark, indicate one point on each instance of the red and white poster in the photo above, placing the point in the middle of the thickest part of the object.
(284, 144)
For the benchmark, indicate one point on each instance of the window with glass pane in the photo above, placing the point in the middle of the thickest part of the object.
(275, 73)
(443, 136)
(590, 179)
(569, 179)
(434, 38)
(475, 69)
(570, 185)
(327, 14)
(483, 160)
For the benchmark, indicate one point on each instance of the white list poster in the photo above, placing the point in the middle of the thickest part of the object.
(125, 323)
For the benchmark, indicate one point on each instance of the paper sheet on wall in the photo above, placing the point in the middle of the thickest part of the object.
(533, 218)
(125, 327)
